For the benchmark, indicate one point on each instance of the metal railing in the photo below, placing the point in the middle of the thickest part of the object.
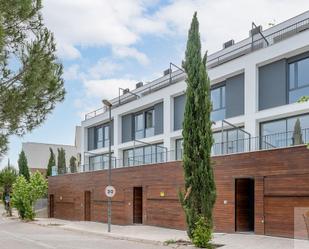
(173, 78)
(258, 41)
(266, 142)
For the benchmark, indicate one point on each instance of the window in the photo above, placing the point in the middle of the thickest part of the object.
(179, 149)
(144, 124)
(229, 141)
(285, 132)
(101, 138)
(218, 103)
(100, 162)
(149, 123)
(298, 79)
(144, 155)
(139, 125)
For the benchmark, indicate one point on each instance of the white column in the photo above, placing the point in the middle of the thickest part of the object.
(117, 137)
(251, 99)
(168, 122)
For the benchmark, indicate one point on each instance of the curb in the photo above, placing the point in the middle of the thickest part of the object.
(104, 234)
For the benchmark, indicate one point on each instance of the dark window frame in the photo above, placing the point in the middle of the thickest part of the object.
(144, 113)
(156, 160)
(296, 87)
(279, 119)
(104, 143)
(215, 87)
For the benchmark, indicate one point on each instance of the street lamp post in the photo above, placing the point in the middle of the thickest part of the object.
(109, 203)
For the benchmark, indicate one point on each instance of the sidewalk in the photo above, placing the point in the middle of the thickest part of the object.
(142, 233)
(159, 235)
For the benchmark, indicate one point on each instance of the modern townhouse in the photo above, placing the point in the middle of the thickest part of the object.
(261, 165)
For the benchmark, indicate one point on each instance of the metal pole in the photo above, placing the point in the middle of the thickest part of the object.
(110, 169)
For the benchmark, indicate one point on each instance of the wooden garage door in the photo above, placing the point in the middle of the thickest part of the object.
(286, 198)
(279, 216)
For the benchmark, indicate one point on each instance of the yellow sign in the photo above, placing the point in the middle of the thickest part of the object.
(162, 194)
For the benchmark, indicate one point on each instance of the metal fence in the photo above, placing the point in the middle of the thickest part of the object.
(266, 142)
(259, 42)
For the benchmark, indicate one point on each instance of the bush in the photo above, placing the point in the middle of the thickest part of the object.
(25, 194)
(202, 234)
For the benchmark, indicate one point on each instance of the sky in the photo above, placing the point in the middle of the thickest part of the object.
(106, 44)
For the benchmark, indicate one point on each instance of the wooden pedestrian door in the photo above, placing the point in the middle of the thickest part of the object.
(87, 206)
(138, 205)
(244, 203)
(51, 206)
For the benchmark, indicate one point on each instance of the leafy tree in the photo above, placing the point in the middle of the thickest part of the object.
(30, 75)
(51, 162)
(23, 165)
(61, 161)
(200, 192)
(297, 133)
(25, 194)
(8, 176)
(73, 167)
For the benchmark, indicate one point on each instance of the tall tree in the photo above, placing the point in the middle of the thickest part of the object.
(73, 167)
(200, 191)
(62, 169)
(51, 162)
(30, 75)
(23, 165)
(297, 133)
(8, 176)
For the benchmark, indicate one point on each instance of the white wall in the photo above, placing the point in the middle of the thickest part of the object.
(250, 120)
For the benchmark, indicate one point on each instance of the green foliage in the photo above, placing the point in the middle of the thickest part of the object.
(202, 233)
(8, 176)
(30, 74)
(62, 169)
(25, 194)
(23, 165)
(303, 99)
(51, 162)
(200, 191)
(73, 167)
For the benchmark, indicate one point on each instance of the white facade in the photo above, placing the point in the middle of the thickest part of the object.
(247, 64)
(38, 153)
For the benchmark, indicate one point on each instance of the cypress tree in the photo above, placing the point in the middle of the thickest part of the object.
(23, 165)
(73, 167)
(200, 191)
(297, 133)
(61, 161)
(51, 162)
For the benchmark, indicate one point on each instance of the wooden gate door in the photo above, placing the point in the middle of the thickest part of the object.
(138, 205)
(87, 205)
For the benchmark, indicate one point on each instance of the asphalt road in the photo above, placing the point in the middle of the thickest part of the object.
(18, 235)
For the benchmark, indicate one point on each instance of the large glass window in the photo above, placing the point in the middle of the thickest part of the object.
(144, 155)
(139, 125)
(285, 132)
(100, 162)
(298, 79)
(218, 103)
(229, 141)
(179, 149)
(101, 136)
(149, 123)
(144, 124)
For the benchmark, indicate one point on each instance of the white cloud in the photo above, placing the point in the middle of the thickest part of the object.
(128, 52)
(107, 88)
(103, 68)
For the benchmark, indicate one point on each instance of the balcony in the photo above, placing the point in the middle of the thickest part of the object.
(257, 42)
